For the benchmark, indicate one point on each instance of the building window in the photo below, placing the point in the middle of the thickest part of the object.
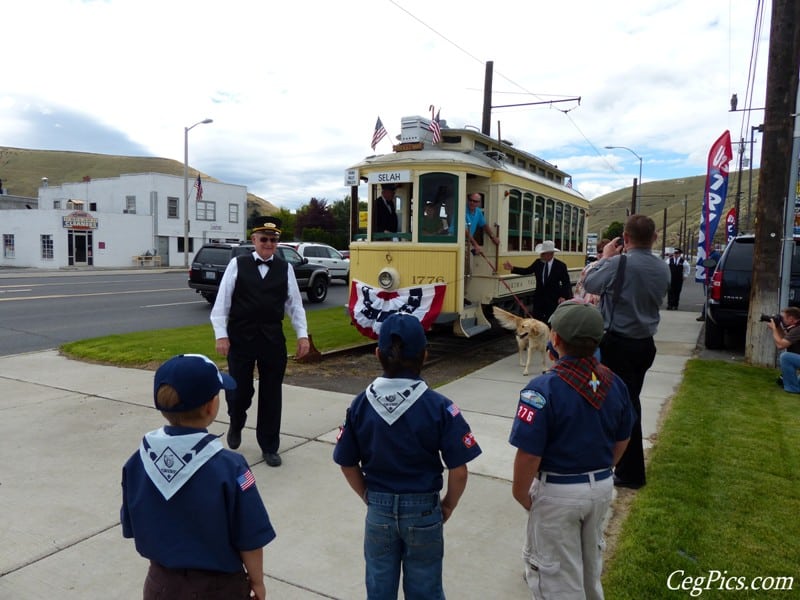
(8, 245)
(57, 204)
(172, 207)
(130, 205)
(206, 211)
(180, 244)
(47, 246)
(92, 206)
(233, 213)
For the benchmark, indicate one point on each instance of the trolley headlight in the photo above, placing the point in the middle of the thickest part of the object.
(388, 278)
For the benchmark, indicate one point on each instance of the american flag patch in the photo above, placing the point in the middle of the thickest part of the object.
(245, 480)
(453, 410)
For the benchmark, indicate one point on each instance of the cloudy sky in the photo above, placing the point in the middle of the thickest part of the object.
(294, 88)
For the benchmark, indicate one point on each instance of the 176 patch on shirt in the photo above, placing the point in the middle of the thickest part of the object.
(529, 402)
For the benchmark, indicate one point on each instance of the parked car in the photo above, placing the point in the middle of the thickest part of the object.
(728, 300)
(338, 265)
(210, 261)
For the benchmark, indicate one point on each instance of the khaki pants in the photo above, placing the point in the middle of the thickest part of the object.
(563, 552)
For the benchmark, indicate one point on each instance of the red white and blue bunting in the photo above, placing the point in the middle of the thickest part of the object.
(369, 306)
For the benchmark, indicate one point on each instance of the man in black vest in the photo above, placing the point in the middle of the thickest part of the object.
(255, 292)
(678, 271)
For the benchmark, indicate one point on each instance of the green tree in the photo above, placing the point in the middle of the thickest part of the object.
(614, 230)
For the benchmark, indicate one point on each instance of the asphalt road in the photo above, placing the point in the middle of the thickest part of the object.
(44, 309)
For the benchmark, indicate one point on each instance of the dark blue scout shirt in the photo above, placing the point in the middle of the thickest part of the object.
(406, 456)
(556, 423)
(205, 524)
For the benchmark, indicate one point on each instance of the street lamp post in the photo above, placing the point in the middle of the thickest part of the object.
(186, 188)
(639, 185)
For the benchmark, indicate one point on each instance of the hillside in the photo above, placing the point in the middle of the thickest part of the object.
(670, 194)
(21, 170)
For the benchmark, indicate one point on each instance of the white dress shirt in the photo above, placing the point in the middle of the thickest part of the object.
(222, 305)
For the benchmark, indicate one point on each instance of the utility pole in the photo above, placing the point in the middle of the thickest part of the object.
(486, 121)
(776, 164)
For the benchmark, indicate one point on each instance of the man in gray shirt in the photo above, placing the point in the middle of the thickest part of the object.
(631, 319)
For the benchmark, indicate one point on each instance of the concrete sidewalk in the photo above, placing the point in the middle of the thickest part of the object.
(68, 427)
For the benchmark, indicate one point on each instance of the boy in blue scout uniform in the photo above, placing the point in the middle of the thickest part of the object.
(572, 425)
(192, 506)
(390, 448)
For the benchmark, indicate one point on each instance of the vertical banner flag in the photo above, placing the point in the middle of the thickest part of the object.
(730, 225)
(379, 134)
(198, 185)
(713, 200)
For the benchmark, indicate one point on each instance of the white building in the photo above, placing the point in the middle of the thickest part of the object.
(120, 222)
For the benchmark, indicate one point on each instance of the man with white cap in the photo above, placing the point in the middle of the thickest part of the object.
(552, 280)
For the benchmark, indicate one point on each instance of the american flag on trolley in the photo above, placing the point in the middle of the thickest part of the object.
(380, 133)
(246, 480)
(198, 185)
(435, 128)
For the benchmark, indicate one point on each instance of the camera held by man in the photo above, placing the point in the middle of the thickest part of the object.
(774, 318)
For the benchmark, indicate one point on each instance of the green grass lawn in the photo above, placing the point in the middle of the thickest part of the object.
(329, 329)
(723, 492)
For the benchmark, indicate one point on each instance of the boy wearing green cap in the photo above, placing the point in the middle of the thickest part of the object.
(572, 425)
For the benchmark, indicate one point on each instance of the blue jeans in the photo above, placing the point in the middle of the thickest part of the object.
(404, 529)
(790, 363)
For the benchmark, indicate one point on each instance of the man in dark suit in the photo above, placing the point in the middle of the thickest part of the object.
(552, 280)
(385, 210)
(255, 293)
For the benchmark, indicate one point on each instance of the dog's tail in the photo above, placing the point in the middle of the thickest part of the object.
(505, 318)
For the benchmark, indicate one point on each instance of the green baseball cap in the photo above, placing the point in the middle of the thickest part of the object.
(573, 320)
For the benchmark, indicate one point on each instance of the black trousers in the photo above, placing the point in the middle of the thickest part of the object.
(630, 359)
(674, 293)
(185, 584)
(268, 354)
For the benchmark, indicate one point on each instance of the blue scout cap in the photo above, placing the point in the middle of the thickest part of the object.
(408, 329)
(196, 379)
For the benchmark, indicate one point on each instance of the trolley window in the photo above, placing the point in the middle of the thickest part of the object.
(391, 212)
(438, 209)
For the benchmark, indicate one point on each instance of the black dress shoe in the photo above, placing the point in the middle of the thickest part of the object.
(273, 459)
(234, 437)
(779, 381)
(700, 318)
(632, 485)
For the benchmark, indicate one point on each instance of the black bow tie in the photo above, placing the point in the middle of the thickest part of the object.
(263, 262)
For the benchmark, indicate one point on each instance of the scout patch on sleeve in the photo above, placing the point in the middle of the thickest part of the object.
(469, 440)
(532, 398)
(453, 410)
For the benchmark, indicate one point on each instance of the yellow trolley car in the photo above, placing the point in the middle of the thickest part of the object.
(525, 199)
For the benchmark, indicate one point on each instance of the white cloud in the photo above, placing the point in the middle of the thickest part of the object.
(294, 88)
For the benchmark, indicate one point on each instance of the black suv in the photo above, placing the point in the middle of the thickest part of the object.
(210, 261)
(728, 301)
